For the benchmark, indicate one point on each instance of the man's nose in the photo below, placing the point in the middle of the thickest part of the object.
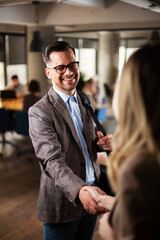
(68, 71)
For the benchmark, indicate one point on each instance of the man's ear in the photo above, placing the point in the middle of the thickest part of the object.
(48, 73)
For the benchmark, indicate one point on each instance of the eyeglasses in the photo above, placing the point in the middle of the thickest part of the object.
(62, 68)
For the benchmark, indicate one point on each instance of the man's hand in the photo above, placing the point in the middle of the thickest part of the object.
(103, 200)
(89, 203)
(104, 141)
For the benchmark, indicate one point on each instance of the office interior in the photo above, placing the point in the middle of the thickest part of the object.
(104, 34)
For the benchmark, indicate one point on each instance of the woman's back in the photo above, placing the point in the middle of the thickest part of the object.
(136, 212)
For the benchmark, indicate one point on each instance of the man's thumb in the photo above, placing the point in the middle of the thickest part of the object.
(100, 135)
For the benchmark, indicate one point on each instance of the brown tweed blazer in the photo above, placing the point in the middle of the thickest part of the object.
(62, 163)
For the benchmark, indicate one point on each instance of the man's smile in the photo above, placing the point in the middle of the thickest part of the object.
(68, 79)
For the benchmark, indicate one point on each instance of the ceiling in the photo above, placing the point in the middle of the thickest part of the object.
(20, 2)
(153, 5)
(84, 15)
(146, 4)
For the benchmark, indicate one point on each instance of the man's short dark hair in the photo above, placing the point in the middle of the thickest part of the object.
(14, 77)
(34, 86)
(59, 46)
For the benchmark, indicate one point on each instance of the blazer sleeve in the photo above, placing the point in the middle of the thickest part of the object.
(49, 151)
(135, 215)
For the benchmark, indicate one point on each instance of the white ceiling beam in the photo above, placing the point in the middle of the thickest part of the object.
(143, 4)
(91, 3)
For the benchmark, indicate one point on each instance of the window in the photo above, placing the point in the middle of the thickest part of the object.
(12, 59)
(87, 59)
(2, 57)
(127, 48)
(2, 76)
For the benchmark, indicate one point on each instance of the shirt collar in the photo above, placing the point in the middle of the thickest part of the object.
(65, 96)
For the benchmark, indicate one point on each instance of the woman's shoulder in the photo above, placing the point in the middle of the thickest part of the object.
(141, 163)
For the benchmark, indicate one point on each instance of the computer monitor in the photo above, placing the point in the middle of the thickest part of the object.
(7, 94)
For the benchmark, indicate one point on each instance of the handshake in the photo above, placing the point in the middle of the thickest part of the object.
(95, 201)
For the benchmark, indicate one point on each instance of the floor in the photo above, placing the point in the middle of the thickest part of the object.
(19, 184)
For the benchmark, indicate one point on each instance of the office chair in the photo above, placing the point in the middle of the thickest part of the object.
(21, 126)
(4, 127)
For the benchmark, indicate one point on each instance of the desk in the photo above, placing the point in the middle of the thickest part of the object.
(12, 104)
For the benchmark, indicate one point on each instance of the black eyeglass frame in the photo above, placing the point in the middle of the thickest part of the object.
(65, 67)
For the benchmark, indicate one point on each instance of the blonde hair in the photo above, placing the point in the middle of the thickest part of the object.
(138, 115)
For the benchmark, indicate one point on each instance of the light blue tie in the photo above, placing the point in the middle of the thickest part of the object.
(76, 118)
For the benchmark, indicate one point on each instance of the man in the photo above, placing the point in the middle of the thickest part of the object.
(90, 88)
(63, 136)
(17, 86)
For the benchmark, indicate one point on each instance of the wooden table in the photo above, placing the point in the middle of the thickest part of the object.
(12, 104)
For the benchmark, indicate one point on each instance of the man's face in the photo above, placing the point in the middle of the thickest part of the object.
(65, 82)
(15, 82)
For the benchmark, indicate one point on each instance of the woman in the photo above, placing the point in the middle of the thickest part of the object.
(134, 165)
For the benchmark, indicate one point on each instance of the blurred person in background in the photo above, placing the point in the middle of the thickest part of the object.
(33, 96)
(90, 88)
(15, 85)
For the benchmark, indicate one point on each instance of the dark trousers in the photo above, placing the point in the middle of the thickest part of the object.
(80, 229)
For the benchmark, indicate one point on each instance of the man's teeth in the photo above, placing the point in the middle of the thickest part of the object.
(68, 79)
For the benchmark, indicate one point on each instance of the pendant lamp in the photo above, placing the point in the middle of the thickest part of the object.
(155, 36)
(1, 47)
(37, 44)
(1, 44)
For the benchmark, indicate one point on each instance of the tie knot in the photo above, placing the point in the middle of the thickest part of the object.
(72, 99)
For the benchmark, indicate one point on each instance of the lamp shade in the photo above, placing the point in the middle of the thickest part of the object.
(37, 44)
(155, 36)
(1, 44)
(1, 47)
